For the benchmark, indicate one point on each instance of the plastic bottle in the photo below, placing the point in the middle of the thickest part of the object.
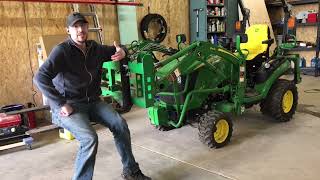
(222, 26)
(313, 62)
(217, 11)
(218, 26)
(302, 63)
(317, 62)
(222, 11)
(213, 28)
(216, 39)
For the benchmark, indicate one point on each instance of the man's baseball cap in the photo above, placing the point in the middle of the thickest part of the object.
(75, 17)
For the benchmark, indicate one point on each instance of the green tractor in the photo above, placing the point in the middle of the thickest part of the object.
(207, 82)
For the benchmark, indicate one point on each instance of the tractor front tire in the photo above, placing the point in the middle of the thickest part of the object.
(281, 102)
(215, 129)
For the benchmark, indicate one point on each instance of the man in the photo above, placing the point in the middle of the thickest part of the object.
(70, 78)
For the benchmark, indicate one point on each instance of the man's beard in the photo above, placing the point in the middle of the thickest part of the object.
(85, 37)
(83, 41)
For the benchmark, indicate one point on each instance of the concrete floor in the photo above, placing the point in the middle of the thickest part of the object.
(259, 149)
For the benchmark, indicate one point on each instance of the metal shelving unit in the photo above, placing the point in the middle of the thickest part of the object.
(304, 49)
(215, 5)
(317, 70)
(279, 24)
(306, 70)
(216, 23)
(110, 2)
(207, 20)
(307, 24)
(298, 2)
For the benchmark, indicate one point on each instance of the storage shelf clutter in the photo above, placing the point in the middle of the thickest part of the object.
(307, 27)
(277, 3)
(216, 13)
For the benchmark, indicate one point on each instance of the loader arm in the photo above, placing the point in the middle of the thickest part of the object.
(193, 56)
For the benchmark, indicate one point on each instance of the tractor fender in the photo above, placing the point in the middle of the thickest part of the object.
(265, 87)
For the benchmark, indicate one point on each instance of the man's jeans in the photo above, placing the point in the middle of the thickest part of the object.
(78, 123)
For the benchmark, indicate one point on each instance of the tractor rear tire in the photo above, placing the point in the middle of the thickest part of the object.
(281, 102)
(215, 129)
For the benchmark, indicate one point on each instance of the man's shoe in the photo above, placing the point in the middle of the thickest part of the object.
(135, 176)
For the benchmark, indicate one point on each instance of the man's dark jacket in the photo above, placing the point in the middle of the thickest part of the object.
(70, 75)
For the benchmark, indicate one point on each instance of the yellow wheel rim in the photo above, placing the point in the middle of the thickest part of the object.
(287, 101)
(222, 131)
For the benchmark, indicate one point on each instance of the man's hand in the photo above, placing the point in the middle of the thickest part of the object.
(120, 54)
(66, 110)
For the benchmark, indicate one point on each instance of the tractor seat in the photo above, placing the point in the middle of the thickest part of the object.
(256, 35)
(257, 50)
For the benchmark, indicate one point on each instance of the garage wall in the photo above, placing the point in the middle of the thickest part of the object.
(259, 15)
(304, 33)
(22, 24)
(175, 12)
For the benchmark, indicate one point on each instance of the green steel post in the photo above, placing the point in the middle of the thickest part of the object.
(176, 97)
(179, 93)
(179, 54)
(185, 105)
(297, 70)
